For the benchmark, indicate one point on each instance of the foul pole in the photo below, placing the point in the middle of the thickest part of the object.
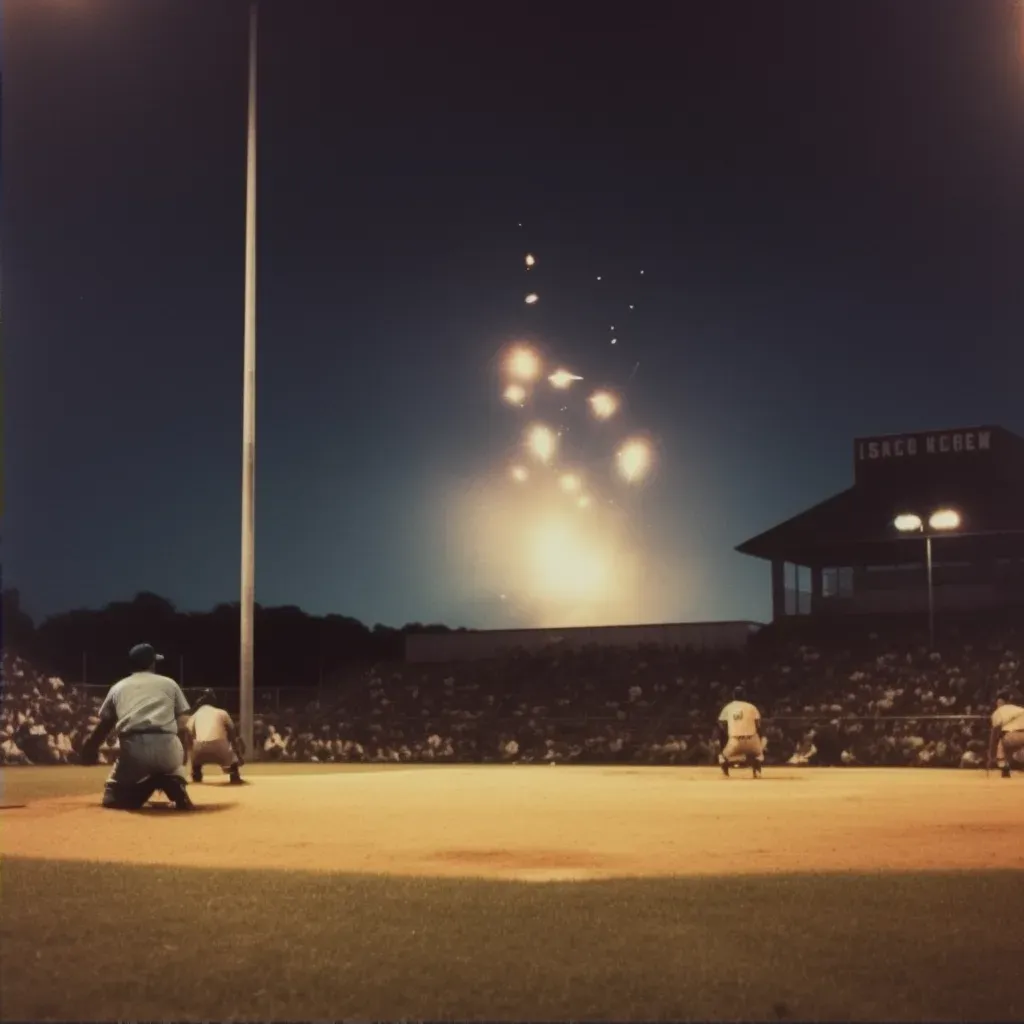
(245, 682)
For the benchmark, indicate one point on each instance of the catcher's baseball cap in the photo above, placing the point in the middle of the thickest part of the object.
(206, 697)
(144, 655)
(1004, 695)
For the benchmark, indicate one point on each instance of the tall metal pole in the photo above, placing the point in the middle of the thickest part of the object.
(931, 592)
(245, 682)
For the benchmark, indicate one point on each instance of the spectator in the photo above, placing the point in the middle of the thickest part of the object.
(609, 705)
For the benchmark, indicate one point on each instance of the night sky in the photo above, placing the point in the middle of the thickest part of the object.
(825, 198)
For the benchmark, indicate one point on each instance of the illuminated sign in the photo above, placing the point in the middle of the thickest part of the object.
(911, 446)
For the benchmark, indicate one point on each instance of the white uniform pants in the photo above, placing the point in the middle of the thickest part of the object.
(216, 752)
(740, 748)
(1010, 747)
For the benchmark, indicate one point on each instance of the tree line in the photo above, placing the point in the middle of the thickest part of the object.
(292, 648)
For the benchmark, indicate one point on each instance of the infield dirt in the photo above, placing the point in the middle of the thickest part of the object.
(534, 823)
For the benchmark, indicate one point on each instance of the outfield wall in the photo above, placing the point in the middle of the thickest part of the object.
(479, 645)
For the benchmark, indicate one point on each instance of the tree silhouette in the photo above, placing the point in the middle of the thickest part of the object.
(19, 629)
(292, 647)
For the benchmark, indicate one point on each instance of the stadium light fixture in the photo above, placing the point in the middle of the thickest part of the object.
(942, 520)
(908, 523)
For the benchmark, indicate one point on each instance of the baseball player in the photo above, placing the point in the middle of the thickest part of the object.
(147, 712)
(213, 739)
(740, 722)
(1007, 732)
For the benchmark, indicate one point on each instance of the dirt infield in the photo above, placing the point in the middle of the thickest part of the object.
(553, 824)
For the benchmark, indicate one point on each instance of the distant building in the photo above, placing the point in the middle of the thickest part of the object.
(846, 555)
(480, 645)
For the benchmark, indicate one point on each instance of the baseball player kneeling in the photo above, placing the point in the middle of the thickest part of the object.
(213, 739)
(147, 713)
(741, 722)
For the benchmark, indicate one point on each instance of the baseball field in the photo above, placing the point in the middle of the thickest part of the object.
(524, 892)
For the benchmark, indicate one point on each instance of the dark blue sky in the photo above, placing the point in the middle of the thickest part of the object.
(826, 200)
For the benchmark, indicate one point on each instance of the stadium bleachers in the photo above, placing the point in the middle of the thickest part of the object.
(860, 694)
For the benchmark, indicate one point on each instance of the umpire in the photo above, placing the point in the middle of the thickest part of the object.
(147, 712)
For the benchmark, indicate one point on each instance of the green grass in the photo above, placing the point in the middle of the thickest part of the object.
(120, 942)
(92, 941)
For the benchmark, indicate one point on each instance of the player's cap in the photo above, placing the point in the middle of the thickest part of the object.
(739, 693)
(144, 655)
(1004, 695)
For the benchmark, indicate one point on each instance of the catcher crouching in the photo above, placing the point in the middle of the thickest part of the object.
(212, 738)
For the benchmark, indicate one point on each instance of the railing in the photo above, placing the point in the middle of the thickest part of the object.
(877, 740)
(827, 717)
(872, 741)
(298, 698)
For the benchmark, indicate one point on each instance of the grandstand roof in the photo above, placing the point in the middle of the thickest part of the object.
(856, 526)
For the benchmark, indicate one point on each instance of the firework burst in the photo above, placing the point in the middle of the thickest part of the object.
(554, 532)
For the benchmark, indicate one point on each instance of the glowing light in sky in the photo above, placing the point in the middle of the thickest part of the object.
(633, 460)
(515, 394)
(603, 404)
(542, 442)
(523, 363)
(562, 559)
(524, 537)
(562, 379)
(563, 564)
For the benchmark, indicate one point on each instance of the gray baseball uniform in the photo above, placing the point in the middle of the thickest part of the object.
(147, 707)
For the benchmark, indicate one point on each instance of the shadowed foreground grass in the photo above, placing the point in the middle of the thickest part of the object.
(101, 942)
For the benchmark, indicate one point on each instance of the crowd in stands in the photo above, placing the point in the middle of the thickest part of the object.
(871, 700)
(42, 721)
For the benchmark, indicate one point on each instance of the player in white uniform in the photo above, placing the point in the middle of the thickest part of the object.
(213, 739)
(740, 721)
(147, 713)
(1007, 732)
